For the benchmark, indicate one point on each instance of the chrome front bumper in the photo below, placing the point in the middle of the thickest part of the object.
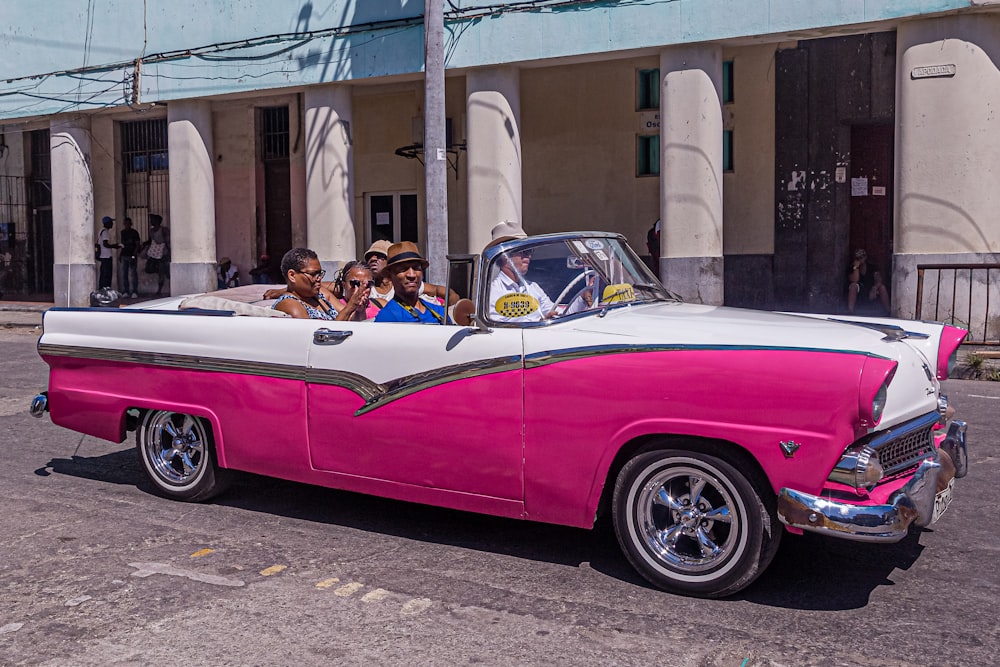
(912, 504)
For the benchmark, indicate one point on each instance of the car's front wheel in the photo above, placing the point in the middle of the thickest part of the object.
(691, 523)
(178, 457)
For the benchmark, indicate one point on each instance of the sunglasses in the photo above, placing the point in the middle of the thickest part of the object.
(315, 275)
(523, 253)
(357, 283)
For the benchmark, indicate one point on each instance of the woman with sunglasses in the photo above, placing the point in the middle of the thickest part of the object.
(304, 296)
(355, 283)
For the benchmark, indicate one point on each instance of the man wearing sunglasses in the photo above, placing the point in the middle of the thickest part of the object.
(511, 278)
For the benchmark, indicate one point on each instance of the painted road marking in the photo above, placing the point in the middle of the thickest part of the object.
(11, 627)
(77, 601)
(992, 398)
(202, 552)
(348, 589)
(375, 595)
(274, 569)
(149, 569)
(415, 606)
(326, 583)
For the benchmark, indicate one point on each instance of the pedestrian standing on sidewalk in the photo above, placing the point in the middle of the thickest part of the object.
(128, 273)
(158, 251)
(105, 246)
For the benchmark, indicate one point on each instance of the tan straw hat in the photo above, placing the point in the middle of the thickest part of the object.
(381, 247)
(405, 251)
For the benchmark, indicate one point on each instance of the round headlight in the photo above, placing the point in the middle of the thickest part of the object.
(858, 467)
(878, 403)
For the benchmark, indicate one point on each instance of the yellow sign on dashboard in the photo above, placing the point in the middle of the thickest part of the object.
(516, 304)
(618, 293)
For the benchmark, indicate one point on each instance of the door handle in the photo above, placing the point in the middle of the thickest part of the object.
(329, 336)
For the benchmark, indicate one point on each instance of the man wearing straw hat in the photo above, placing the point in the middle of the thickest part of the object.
(405, 267)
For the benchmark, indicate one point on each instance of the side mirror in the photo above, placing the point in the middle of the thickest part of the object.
(464, 313)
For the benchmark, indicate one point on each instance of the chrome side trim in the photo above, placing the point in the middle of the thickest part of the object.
(912, 504)
(411, 384)
(546, 357)
(190, 362)
(359, 384)
(373, 393)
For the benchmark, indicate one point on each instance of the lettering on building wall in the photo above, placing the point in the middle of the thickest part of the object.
(649, 121)
(932, 71)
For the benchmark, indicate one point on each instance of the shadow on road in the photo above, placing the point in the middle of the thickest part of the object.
(120, 467)
(809, 572)
(812, 572)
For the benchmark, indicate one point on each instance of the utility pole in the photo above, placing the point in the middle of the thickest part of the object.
(435, 150)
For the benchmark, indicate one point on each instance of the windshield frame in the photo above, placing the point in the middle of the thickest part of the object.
(628, 258)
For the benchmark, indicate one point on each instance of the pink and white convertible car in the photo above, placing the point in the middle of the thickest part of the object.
(578, 387)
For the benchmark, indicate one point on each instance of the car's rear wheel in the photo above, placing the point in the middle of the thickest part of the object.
(691, 523)
(178, 456)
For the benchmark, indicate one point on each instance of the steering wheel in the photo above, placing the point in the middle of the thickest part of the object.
(569, 286)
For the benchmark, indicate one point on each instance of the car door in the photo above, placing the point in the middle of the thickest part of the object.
(436, 407)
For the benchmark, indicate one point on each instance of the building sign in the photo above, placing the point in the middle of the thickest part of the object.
(649, 121)
(932, 71)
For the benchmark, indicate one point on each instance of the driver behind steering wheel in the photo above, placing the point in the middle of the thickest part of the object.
(510, 280)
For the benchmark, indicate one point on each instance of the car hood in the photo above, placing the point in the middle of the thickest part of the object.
(693, 324)
(912, 392)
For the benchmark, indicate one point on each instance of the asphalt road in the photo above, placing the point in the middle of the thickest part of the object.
(95, 570)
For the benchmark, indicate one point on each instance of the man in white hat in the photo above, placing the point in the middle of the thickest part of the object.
(507, 230)
(510, 281)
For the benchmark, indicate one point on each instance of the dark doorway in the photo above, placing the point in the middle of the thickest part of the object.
(276, 239)
(40, 239)
(871, 193)
(393, 216)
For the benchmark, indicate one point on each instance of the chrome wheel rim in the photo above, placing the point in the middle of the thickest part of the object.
(176, 447)
(687, 519)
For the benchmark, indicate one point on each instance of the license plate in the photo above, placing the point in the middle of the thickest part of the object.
(942, 500)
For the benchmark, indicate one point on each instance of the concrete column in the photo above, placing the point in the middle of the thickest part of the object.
(73, 228)
(192, 197)
(329, 177)
(947, 166)
(493, 122)
(691, 261)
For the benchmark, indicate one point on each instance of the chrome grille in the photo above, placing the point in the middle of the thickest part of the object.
(905, 451)
(903, 446)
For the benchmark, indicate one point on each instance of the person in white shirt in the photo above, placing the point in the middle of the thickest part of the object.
(105, 246)
(511, 278)
(228, 274)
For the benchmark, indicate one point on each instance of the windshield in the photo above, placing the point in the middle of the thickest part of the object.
(538, 280)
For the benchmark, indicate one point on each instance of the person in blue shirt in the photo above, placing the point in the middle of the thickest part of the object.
(405, 268)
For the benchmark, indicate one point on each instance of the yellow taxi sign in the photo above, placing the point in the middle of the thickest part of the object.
(618, 293)
(516, 304)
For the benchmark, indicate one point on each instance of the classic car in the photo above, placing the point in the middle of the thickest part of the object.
(585, 390)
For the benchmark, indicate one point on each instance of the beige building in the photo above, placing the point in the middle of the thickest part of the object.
(769, 157)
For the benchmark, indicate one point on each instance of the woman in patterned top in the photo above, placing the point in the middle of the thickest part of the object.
(304, 295)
